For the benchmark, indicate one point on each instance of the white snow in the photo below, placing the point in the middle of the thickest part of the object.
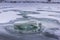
(7, 16)
(49, 9)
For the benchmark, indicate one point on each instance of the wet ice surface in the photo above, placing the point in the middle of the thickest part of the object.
(49, 17)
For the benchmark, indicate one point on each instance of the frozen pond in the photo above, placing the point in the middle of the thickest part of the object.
(50, 19)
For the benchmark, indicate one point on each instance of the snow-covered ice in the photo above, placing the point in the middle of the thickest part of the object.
(47, 14)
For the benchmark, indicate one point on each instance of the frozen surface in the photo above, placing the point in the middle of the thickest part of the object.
(47, 14)
(7, 16)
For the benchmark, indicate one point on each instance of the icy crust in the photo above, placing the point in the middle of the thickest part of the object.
(50, 22)
(25, 27)
(7, 14)
(44, 27)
